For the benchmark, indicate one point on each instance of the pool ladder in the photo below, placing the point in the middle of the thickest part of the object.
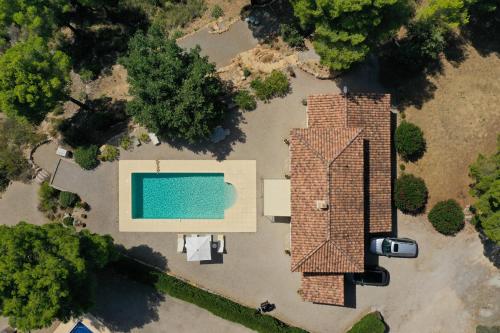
(158, 166)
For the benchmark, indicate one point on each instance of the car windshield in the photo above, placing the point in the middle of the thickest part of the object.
(396, 247)
(386, 246)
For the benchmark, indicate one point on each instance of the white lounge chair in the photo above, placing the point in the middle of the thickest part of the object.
(220, 239)
(181, 243)
(154, 139)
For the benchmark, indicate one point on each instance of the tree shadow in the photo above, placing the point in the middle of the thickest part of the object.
(269, 17)
(103, 37)
(482, 28)
(123, 304)
(103, 119)
(146, 254)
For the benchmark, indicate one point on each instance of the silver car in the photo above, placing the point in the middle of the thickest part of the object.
(394, 247)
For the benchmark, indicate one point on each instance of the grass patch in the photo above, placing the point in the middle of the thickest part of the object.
(371, 323)
(218, 305)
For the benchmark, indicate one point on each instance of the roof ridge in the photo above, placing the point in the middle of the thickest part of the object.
(301, 261)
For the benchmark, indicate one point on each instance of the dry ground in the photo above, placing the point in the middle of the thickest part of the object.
(462, 120)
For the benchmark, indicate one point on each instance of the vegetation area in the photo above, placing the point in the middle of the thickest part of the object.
(109, 153)
(485, 172)
(15, 136)
(447, 217)
(371, 323)
(275, 84)
(409, 141)
(410, 194)
(177, 93)
(48, 272)
(245, 100)
(216, 304)
(86, 157)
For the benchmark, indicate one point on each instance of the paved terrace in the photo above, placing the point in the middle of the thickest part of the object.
(449, 271)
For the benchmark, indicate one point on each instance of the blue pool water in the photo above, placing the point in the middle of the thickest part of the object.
(180, 195)
(80, 328)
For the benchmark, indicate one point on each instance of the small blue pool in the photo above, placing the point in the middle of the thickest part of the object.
(80, 328)
(180, 195)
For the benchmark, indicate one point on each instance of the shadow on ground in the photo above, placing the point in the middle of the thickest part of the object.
(123, 305)
(223, 148)
(146, 254)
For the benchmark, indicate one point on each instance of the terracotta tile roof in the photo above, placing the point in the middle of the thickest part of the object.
(372, 112)
(327, 164)
(323, 288)
(328, 160)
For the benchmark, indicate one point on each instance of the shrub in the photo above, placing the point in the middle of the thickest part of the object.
(291, 35)
(86, 75)
(216, 304)
(47, 197)
(410, 194)
(371, 323)
(447, 217)
(144, 137)
(217, 12)
(109, 153)
(245, 100)
(275, 85)
(485, 329)
(246, 72)
(125, 142)
(410, 142)
(68, 199)
(179, 13)
(68, 221)
(86, 157)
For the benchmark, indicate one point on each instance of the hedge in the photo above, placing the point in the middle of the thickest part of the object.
(410, 194)
(447, 217)
(409, 141)
(86, 157)
(216, 304)
(371, 323)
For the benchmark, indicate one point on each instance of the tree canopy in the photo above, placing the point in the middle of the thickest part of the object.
(48, 272)
(177, 93)
(486, 188)
(345, 31)
(33, 79)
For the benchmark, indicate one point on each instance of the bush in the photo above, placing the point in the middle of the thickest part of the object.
(485, 329)
(216, 304)
(245, 100)
(86, 157)
(109, 153)
(126, 142)
(447, 217)
(275, 85)
(144, 137)
(86, 75)
(217, 12)
(246, 72)
(291, 35)
(68, 221)
(371, 323)
(68, 199)
(410, 194)
(410, 142)
(177, 14)
(47, 197)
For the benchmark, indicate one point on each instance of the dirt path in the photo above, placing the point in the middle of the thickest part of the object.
(462, 120)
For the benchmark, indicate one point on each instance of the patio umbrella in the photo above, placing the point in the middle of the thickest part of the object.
(198, 248)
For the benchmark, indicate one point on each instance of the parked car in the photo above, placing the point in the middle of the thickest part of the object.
(372, 276)
(394, 247)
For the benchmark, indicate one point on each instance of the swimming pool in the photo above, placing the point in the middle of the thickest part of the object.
(80, 328)
(180, 195)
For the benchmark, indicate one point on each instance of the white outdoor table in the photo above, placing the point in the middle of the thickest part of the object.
(198, 248)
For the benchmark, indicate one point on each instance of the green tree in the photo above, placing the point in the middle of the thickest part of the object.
(346, 31)
(410, 194)
(447, 217)
(486, 188)
(33, 79)
(177, 94)
(409, 141)
(452, 13)
(48, 272)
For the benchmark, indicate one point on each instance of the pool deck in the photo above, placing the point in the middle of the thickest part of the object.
(240, 217)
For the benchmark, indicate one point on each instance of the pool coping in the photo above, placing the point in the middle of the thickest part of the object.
(240, 217)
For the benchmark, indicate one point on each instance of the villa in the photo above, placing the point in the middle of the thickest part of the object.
(340, 189)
